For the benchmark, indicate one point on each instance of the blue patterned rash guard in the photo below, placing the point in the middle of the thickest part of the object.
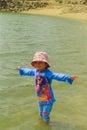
(43, 83)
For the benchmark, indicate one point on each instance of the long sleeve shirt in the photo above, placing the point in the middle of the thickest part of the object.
(43, 83)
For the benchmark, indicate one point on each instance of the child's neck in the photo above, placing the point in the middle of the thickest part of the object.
(42, 70)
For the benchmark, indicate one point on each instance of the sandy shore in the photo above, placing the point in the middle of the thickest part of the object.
(58, 12)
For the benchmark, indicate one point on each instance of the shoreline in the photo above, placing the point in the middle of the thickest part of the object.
(58, 13)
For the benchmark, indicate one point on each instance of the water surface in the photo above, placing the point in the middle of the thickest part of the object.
(65, 41)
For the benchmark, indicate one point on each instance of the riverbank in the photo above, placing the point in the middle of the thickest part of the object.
(66, 9)
(61, 11)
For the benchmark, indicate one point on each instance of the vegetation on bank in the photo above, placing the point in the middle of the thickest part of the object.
(25, 5)
(21, 5)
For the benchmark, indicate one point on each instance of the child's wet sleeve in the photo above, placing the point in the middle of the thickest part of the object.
(26, 71)
(62, 77)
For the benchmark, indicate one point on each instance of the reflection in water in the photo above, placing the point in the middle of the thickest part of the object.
(55, 125)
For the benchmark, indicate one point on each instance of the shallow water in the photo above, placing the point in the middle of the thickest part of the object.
(65, 41)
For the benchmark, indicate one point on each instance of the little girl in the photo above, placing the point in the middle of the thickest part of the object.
(43, 82)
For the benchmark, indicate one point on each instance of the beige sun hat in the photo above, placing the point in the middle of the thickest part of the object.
(40, 56)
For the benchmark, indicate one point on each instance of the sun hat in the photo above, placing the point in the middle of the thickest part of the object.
(40, 56)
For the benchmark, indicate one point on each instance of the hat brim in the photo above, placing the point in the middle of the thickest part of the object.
(33, 62)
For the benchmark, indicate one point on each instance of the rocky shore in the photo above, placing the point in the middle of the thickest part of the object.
(76, 9)
(26, 5)
(21, 5)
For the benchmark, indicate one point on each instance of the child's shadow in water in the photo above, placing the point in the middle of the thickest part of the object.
(54, 125)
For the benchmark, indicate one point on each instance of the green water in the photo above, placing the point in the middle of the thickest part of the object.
(65, 41)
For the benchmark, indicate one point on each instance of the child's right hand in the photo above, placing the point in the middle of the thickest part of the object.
(17, 67)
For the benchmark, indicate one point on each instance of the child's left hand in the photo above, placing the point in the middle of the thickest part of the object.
(73, 77)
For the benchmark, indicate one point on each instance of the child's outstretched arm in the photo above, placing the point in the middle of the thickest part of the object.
(25, 71)
(63, 77)
(73, 77)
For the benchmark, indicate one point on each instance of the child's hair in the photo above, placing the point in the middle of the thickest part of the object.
(40, 56)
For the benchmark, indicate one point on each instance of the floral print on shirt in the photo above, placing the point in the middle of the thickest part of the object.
(42, 88)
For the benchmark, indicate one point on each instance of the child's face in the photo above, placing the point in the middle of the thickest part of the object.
(40, 65)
